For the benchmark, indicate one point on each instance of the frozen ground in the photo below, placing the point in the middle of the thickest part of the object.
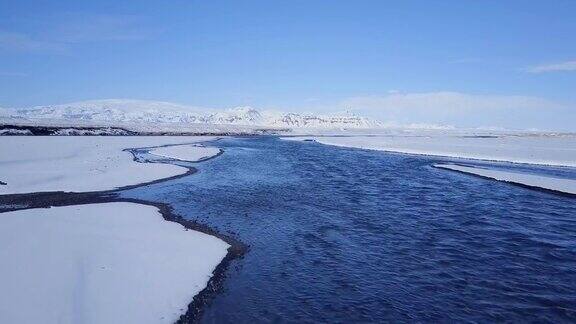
(550, 183)
(190, 153)
(544, 149)
(101, 263)
(81, 163)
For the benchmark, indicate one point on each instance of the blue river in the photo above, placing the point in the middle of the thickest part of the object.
(346, 236)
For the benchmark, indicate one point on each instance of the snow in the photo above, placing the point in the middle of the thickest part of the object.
(101, 263)
(191, 153)
(532, 148)
(550, 183)
(80, 164)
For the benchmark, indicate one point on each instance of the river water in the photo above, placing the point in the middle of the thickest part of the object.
(344, 235)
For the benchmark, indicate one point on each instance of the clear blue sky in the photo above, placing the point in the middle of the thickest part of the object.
(404, 61)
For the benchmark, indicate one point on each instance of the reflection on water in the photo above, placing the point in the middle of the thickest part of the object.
(345, 235)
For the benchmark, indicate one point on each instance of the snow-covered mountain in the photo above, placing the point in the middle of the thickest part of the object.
(115, 111)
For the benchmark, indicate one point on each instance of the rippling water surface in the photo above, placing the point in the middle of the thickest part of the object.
(346, 235)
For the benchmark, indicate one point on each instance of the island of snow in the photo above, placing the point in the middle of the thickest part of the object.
(79, 164)
(530, 180)
(101, 263)
(191, 153)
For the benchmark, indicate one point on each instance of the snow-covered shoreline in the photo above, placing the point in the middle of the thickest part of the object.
(527, 149)
(566, 186)
(101, 263)
(100, 258)
(85, 163)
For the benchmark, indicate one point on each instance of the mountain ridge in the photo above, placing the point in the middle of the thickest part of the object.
(114, 111)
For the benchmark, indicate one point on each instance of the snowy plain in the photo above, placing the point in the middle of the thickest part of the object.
(35, 164)
(557, 150)
(84, 163)
(190, 153)
(101, 263)
(550, 183)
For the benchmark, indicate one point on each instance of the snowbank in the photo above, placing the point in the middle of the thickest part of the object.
(79, 164)
(192, 153)
(532, 149)
(101, 263)
(549, 183)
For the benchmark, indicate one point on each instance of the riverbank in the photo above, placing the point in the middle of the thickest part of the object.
(81, 164)
(28, 203)
(536, 182)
